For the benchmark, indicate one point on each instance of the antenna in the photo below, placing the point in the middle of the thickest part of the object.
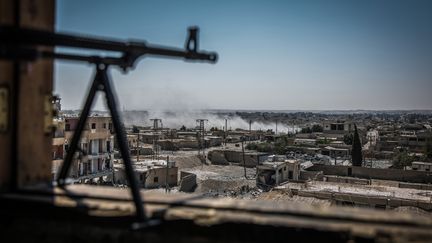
(250, 130)
(226, 130)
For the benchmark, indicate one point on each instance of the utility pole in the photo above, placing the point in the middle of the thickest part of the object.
(226, 130)
(138, 147)
(166, 176)
(200, 137)
(243, 158)
(250, 129)
(156, 129)
(276, 127)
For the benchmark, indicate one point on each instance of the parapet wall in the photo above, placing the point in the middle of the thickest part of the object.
(415, 186)
(224, 157)
(311, 175)
(374, 173)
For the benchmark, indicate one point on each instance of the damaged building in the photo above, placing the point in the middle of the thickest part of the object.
(275, 173)
(150, 173)
(96, 146)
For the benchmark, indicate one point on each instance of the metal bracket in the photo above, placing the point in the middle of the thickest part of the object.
(192, 40)
(4, 109)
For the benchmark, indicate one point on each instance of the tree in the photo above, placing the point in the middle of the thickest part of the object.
(428, 149)
(265, 147)
(401, 160)
(306, 130)
(356, 153)
(280, 146)
(183, 128)
(252, 146)
(317, 128)
(135, 129)
(348, 139)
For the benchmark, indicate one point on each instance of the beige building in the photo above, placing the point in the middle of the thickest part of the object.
(132, 140)
(274, 173)
(95, 153)
(422, 166)
(338, 127)
(150, 173)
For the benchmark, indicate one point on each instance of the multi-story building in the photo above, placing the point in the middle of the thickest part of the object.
(415, 141)
(338, 127)
(58, 146)
(95, 150)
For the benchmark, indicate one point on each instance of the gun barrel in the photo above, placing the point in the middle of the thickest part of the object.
(22, 36)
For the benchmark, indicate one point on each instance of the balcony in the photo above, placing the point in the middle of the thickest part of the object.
(98, 155)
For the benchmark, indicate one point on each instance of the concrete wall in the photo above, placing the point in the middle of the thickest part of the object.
(233, 156)
(366, 200)
(224, 157)
(415, 186)
(26, 89)
(187, 182)
(217, 157)
(374, 173)
(187, 144)
(311, 175)
(349, 180)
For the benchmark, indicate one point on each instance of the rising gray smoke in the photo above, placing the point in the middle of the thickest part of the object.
(187, 118)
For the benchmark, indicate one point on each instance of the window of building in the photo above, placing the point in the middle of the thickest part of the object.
(93, 126)
(104, 125)
(156, 179)
(84, 147)
(67, 127)
(108, 146)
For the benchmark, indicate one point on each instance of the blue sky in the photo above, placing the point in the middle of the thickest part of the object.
(278, 55)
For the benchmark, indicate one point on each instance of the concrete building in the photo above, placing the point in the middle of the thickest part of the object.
(421, 166)
(338, 127)
(96, 146)
(58, 146)
(335, 152)
(150, 173)
(415, 141)
(132, 140)
(274, 173)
